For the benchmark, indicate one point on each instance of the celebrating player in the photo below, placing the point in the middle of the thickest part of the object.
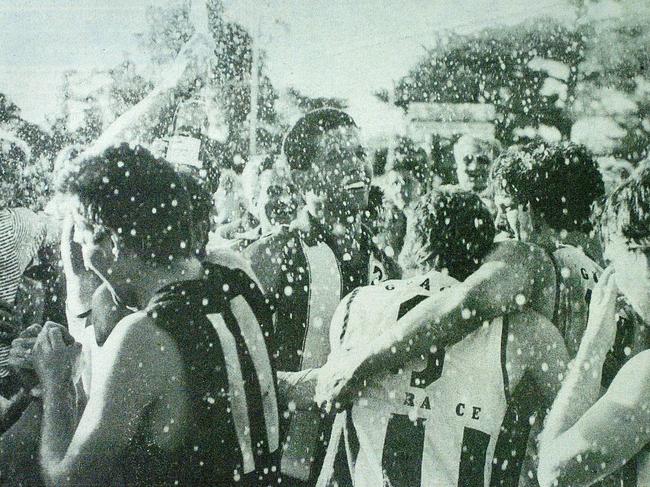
(305, 271)
(169, 403)
(585, 438)
(515, 275)
(438, 419)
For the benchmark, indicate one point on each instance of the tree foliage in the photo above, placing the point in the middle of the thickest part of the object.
(494, 66)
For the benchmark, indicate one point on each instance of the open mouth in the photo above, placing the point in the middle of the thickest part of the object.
(355, 186)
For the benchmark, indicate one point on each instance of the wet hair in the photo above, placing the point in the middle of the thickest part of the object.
(508, 172)
(301, 143)
(129, 193)
(561, 182)
(453, 225)
(627, 210)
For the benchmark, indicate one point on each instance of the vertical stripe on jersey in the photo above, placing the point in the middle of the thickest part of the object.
(252, 389)
(471, 472)
(511, 445)
(346, 317)
(401, 459)
(324, 296)
(236, 389)
(252, 334)
(306, 435)
(558, 283)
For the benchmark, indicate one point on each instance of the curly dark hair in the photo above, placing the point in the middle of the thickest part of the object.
(128, 192)
(561, 182)
(300, 146)
(508, 172)
(455, 226)
(627, 210)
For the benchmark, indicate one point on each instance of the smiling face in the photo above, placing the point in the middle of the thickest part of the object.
(336, 186)
(96, 248)
(401, 188)
(473, 161)
(277, 202)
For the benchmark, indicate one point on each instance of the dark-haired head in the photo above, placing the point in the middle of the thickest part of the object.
(138, 200)
(301, 145)
(559, 183)
(451, 229)
(328, 165)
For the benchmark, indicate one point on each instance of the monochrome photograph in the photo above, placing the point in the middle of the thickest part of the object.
(325, 243)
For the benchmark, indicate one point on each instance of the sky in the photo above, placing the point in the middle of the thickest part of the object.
(343, 48)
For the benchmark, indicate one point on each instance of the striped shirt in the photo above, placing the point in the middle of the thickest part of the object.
(21, 235)
(305, 274)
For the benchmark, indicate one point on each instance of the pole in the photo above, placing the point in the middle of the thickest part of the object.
(255, 70)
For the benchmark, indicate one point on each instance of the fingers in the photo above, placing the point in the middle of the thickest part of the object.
(31, 332)
(65, 334)
(55, 338)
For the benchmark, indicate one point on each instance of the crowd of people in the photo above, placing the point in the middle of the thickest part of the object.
(309, 325)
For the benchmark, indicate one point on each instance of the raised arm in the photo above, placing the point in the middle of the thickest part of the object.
(515, 275)
(586, 438)
(138, 123)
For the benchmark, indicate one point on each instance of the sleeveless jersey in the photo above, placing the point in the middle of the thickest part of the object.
(576, 277)
(305, 275)
(436, 421)
(220, 326)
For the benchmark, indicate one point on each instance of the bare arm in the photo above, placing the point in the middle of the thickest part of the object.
(118, 395)
(514, 275)
(137, 124)
(606, 436)
(586, 438)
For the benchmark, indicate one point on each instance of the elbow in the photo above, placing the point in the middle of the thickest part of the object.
(549, 473)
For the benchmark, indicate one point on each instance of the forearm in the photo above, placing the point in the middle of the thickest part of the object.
(579, 392)
(139, 123)
(434, 323)
(58, 429)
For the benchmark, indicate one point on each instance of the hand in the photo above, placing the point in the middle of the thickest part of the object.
(20, 354)
(53, 355)
(80, 282)
(601, 326)
(340, 381)
(191, 64)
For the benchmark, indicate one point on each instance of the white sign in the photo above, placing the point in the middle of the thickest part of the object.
(184, 150)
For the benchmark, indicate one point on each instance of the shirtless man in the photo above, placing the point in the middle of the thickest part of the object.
(157, 411)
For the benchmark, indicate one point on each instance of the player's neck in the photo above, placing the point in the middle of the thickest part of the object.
(550, 238)
(147, 280)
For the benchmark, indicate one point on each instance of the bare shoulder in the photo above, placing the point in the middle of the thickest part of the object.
(516, 252)
(136, 339)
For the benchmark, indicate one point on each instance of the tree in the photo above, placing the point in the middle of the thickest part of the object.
(26, 152)
(614, 80)
(528, 72)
